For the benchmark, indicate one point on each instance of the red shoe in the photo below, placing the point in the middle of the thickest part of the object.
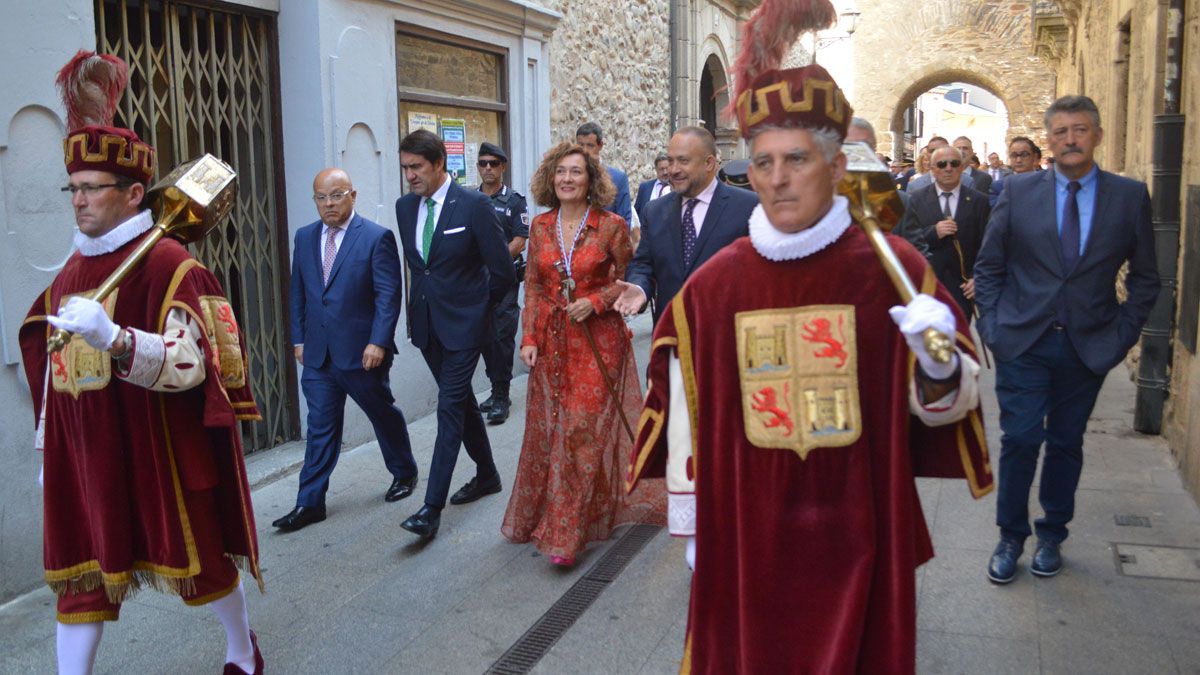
(561, 561)
(234, 669)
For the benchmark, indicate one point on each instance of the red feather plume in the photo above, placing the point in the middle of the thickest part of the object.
(91, 84)
(769, 34)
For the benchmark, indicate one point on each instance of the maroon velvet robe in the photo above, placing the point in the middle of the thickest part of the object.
(119, 457)
(803, 564)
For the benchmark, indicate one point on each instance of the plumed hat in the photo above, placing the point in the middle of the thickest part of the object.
(798, 97)
(91, 85)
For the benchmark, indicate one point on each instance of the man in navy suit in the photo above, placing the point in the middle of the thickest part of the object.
(460, 268)
(345, 301)
(590, 137)
(681, 232)
(951, 217)
(1045, 283)
(977, 179)
(655, 187)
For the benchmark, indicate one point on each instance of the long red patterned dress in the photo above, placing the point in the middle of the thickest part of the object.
(569, 488)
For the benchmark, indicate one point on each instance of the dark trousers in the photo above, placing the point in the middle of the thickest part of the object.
(458, 417)
(1045, 395)
(326, 389)
(498, 354)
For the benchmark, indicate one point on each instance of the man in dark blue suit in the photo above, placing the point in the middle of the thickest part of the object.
(460, 268)
(656, 187)
(345, 301)
(590, 137)
(1045, 284)
(682, 231)
(951, 218)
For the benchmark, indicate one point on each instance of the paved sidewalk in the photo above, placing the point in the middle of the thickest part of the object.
(357, 594)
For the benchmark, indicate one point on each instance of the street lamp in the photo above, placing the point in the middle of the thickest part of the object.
(847, 22)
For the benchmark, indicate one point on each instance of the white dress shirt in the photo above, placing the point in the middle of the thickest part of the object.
(439, 196)
(954, 194)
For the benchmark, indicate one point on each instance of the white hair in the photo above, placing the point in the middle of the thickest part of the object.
(828, 141)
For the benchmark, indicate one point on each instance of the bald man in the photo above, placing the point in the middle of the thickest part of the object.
(345, 299)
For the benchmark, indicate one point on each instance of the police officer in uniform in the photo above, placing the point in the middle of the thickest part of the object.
(510, 209)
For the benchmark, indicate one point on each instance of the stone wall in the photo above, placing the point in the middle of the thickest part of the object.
(904, 49)
(610, 64)
(1127, 85)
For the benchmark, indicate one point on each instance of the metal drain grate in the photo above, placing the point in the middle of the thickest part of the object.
(1127, 520)
(533, 645)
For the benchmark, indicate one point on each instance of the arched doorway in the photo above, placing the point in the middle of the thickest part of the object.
(714, 97)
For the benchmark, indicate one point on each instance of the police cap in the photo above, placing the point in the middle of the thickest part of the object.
(493, 150)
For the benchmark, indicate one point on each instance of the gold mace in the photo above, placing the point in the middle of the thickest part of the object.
(187, 204)
(876, 208)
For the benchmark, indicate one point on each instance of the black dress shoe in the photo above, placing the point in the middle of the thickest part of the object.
(424, 522)
(400, 489)
(499, 411)
(1047, 560)
(1002, 568)
(300, 516)
(486, 406)
(475, 488)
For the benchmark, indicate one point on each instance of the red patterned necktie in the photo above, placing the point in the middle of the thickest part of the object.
(330, 253)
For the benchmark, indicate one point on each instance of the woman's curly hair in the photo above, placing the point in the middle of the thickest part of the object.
(601, 190)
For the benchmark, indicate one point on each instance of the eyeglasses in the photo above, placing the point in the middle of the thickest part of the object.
(1020, 155)
(489, 163)
(334, 198)
(941, 164)
(88, 190)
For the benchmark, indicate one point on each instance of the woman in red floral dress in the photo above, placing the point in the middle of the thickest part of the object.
(570, 483)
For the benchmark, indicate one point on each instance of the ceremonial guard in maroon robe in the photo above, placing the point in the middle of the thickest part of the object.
(788, 413)
(144, 479)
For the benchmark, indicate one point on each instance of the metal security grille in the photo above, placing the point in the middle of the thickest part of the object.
(204, 80)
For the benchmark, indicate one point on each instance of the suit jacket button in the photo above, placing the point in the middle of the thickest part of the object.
(426, 272)
(325, 302)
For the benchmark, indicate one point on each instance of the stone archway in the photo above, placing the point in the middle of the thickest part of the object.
(1021, 121)
(714, 98)
(902, 50)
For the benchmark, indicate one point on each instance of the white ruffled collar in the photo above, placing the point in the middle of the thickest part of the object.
(116, 237)
(779, 246)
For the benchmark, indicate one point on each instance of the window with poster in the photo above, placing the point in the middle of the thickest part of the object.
(456, 88)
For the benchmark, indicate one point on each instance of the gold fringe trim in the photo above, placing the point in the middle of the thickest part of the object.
(118, 591)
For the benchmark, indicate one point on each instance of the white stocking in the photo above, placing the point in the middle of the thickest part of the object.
(231, 610)
(690, 554)
(77, 644)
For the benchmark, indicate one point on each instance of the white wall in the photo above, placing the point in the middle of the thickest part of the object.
(37, 229)
(338, 82)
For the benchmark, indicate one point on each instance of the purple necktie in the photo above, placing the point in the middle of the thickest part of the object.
(1070, 228)
(330, 253)
(689, 232)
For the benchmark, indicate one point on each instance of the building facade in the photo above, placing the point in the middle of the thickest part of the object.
(1140, 61)
(281, 89)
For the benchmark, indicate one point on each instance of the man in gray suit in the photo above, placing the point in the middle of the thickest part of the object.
(1045, 285)
(861, 131)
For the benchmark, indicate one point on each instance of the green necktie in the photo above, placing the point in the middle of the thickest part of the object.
(430, 226)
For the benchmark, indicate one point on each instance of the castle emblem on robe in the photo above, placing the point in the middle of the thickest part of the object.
(799, 377)
(79, 367)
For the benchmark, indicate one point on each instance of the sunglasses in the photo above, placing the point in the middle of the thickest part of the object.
(489, 163)
(941, 164)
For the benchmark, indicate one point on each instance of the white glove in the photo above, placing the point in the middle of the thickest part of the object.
(922, 313)
(88, 319)
(690, 555)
